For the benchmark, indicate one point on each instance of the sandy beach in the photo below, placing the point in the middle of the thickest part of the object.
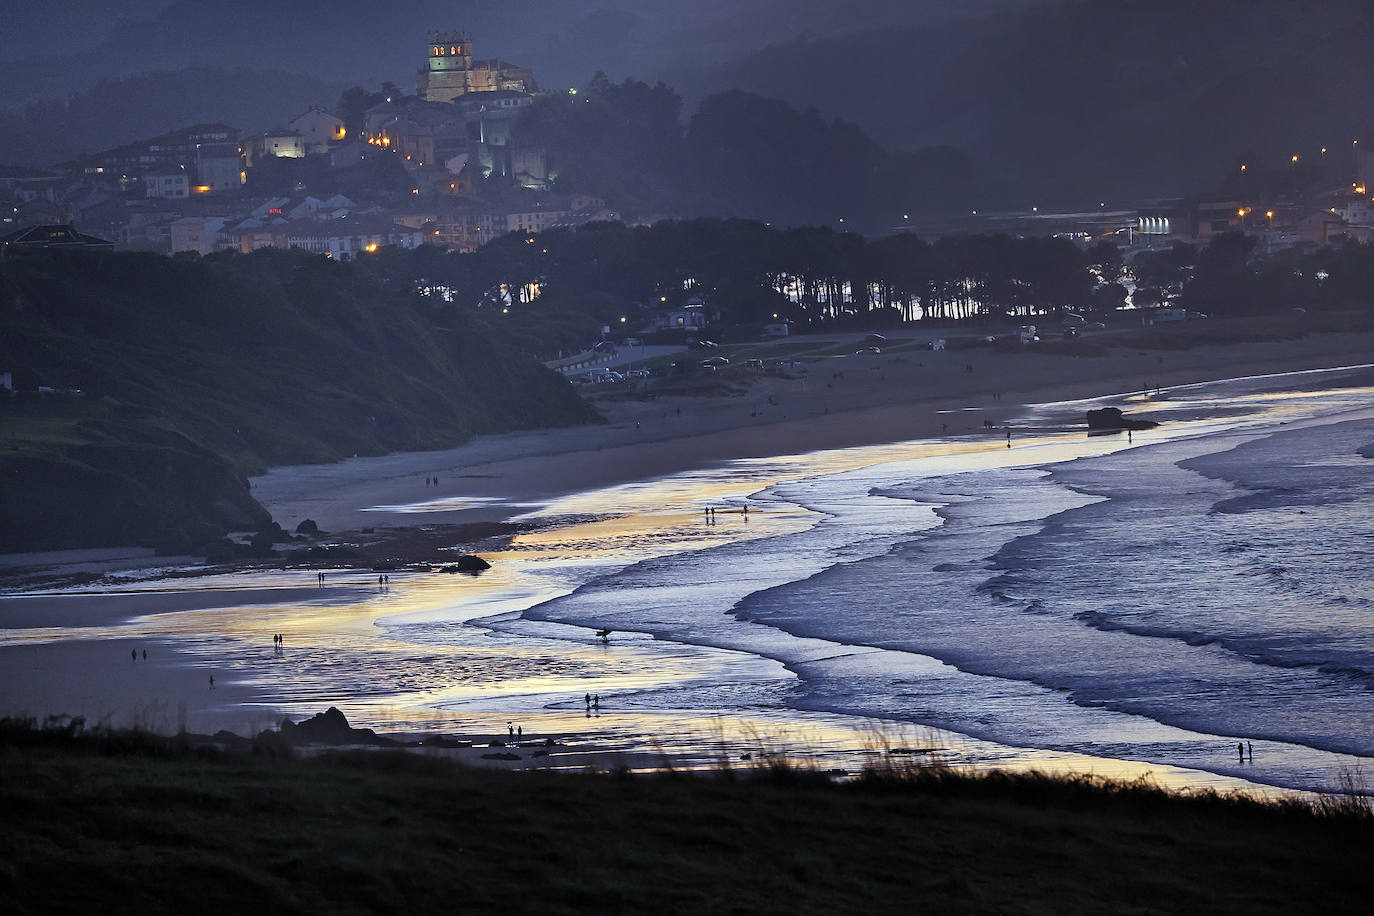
(69, 652)
(914, 395)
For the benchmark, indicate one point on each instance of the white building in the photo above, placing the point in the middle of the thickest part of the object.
(318, 129)
(167, 184)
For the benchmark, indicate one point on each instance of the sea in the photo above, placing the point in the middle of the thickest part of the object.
(1120, 603)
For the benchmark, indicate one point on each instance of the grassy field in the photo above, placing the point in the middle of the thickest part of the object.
(133, 824)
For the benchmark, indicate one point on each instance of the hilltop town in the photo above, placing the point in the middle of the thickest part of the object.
(450, 166)
(403, 170)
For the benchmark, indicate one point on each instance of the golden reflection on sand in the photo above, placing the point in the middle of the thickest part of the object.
(355, 643)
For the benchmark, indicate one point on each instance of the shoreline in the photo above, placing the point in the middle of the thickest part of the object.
(498, 478)
(236, 704)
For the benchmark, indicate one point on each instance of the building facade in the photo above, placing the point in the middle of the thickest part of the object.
(451, 71)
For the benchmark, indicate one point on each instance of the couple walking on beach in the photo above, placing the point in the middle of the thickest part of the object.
(592, 702)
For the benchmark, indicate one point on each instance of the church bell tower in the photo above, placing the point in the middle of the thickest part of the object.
(446, 76)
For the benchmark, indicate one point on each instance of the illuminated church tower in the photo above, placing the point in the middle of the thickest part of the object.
(450, 64)
(451, 71)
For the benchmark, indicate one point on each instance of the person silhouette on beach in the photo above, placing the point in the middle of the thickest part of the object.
(510, 727)
(133, 655)
(587, 700)
(1250, 751)
(145, 655)
(519, 731)
(596, 702)
(212, 682)
(1240, 750)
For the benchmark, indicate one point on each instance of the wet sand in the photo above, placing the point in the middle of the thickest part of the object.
(503, 476)
(917, 394)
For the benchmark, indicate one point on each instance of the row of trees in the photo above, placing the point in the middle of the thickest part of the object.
(753, 273)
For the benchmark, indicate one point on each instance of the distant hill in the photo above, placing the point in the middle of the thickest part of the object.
(195, 373)
(1067, 99)
(1081, 98)
(53, 50)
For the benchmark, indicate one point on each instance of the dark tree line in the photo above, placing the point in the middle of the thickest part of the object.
(557, 285)
(751, 273)
(741, 155)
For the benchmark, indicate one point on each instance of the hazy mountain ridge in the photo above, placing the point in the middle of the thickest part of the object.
(1072, 99)
(1080, 96)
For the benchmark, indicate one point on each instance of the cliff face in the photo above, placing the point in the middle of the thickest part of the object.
(175, 379)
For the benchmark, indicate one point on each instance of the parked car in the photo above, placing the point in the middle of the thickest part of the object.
(868, 351)
(876, 339)
(703, 345)
(637, 373)
(632, 342)
(604, 346)
(715, 361)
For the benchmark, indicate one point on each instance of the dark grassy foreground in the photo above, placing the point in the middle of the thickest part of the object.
(128, 823)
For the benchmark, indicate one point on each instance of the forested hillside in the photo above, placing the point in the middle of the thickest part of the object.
(193, 374)
(742, 155)
(1077, 98)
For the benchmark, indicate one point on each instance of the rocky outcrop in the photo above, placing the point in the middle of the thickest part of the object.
(471, 563)
(330, 727)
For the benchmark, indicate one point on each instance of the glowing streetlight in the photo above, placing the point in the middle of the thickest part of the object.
(1269, 213)
(1243, 166)
(1295, 158)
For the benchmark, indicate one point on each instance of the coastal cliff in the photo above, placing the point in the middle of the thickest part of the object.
(147, 388)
